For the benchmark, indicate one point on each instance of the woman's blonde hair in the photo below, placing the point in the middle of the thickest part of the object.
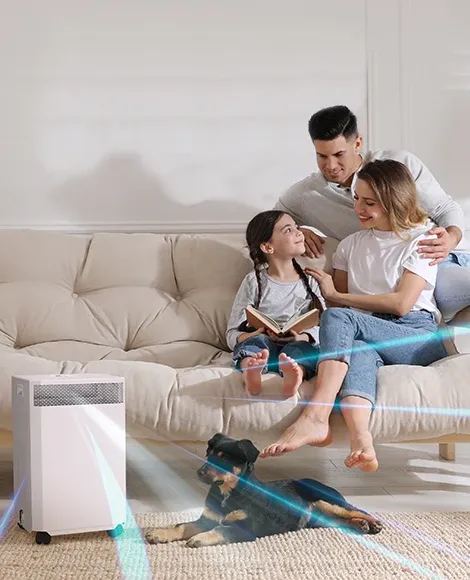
(395, 190)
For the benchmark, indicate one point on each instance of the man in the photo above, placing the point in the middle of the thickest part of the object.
(324, 201)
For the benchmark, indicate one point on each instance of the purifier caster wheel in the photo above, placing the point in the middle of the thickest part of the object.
(43, 538)
(116, 532)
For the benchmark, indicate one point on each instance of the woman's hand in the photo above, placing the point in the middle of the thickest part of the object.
(325, 282)
(247, 335)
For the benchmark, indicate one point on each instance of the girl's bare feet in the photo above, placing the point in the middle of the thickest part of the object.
(292, 375)
(252, 368)
(362, 453)
(307, 430)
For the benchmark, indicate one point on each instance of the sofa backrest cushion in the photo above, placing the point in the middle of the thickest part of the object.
(63, 294)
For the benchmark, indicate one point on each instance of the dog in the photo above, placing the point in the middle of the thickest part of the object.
(241, 508)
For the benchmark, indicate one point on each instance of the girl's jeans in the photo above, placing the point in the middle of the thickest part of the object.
(303, 352)
(366, 342)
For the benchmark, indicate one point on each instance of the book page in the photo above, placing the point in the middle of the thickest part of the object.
(261, 318)
(307, 320)
(297, 316)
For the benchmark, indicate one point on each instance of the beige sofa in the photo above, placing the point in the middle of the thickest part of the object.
(154, 308)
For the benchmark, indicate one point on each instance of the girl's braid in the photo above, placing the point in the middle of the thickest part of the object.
(258, 265)
(315, 300)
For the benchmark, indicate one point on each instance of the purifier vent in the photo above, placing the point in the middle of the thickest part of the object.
(54, 395)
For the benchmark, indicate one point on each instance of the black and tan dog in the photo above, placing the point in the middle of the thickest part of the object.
(241, 508)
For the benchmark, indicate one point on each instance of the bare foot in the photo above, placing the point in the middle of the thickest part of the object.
(252, 368)
(307, 430)
(362, 453)
(292, 375)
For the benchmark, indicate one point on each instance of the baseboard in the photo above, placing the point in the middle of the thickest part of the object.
(134, 227)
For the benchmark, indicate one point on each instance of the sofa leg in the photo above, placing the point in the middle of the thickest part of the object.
(447, 451)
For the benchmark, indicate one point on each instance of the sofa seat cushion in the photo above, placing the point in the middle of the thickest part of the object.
(164, 403)
(181, 354)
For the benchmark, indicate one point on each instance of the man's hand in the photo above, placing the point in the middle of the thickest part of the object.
(325, 282)
(438, 249)
(313, 243)
(247, 335)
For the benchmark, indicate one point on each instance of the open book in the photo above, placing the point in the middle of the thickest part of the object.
(257, 319)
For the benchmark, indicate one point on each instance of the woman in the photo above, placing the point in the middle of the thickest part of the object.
(383, 311)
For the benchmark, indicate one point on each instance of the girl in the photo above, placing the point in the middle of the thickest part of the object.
(389, 314)
(279, 288)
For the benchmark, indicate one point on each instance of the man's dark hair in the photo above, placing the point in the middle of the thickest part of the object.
(333, 122)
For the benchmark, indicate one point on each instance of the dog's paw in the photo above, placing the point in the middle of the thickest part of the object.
(366, 526)
(195, 542)
(160, 536)
(375, 527)
(361, 525)
(211, 538)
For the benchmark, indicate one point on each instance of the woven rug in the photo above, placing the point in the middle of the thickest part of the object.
(412, 545)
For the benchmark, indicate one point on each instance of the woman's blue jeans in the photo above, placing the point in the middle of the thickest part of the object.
(366, 342)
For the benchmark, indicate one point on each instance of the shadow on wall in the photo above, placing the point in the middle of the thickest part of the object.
(121, 189)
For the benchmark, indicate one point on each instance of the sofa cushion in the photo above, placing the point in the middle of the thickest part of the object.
(192, 404)
(127, 296)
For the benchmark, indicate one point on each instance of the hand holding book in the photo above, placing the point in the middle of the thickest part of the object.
(291, 336)
(245, 335)
(296, 323)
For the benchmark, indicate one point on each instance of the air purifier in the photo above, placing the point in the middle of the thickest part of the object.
(69, 457)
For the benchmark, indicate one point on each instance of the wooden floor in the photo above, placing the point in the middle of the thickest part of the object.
(410, 477)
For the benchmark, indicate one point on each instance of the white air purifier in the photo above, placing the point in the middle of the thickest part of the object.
(69, 454)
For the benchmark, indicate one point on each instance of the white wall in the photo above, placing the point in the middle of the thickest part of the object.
(151, 112)
(419, 77)
(436, 96)
(158, 115)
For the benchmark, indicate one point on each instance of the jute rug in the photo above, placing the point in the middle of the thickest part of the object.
(413, 545)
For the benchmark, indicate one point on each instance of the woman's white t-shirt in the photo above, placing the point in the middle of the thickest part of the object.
(375, 262)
